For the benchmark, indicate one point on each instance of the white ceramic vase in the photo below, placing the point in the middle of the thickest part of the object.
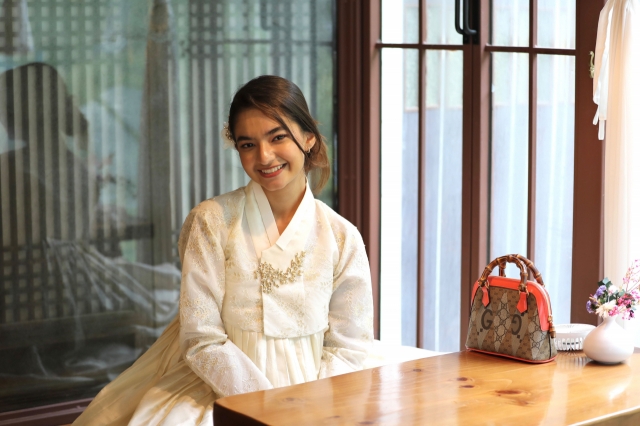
(608, 343)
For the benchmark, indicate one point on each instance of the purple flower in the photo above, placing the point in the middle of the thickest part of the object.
(601, 290)
(589, 308)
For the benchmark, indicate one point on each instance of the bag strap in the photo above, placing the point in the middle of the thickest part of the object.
(531, 268)
(501, 263)
(526, 266)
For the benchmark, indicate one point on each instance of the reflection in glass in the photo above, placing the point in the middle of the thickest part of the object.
(440, 23)
(509, 155)
(399, 197)
(443, 200)
(110, 116)
(557, 23)
(400, 21)
(510, 23)
(554, 178)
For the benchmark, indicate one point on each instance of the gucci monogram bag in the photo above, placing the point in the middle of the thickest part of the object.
(512, 317)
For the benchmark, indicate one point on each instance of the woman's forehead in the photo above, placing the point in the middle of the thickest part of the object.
(254, 120)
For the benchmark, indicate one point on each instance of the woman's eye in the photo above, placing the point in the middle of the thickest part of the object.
(246, 145)
(279, 137)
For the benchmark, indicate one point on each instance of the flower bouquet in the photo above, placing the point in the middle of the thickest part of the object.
(609, 343)
(611, 300)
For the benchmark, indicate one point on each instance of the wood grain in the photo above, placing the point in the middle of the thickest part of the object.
(458, 388)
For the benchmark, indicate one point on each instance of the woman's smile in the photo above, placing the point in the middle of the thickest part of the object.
(270, 154)
(273, 171)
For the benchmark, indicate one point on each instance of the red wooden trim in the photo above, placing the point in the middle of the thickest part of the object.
(529, 49)
(46, 415)
(587, 257)
(349, 114)
(358, 134)
(422, 176)
(371, 146)
(533, 123)
(421, 46)
(475, 163)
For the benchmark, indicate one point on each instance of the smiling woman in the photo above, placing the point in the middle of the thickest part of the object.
(276, 287)
(283, 103)
(270, 150)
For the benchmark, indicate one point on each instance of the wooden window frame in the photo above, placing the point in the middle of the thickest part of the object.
(358, 148)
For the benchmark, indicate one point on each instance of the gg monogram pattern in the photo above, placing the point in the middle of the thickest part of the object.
(500, 328)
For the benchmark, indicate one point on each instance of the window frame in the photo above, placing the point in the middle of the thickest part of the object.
(358, 148)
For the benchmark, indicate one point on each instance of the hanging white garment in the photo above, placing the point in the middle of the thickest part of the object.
(616, 90)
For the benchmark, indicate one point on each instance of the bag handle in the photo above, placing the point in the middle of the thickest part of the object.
(528, 263)
(532, 268)
(525, 265)
(501, 263)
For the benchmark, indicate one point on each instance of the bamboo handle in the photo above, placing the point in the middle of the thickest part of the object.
(501, 263)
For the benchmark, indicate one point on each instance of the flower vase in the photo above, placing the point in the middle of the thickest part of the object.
(608, 343)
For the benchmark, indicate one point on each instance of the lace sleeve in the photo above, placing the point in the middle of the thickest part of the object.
(350, 333)
(203, 340)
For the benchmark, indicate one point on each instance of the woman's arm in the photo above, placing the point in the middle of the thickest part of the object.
(203, 339)
(350, 333)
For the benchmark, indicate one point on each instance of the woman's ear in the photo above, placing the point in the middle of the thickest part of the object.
(310, 142)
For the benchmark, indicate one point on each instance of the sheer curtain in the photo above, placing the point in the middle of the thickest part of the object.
(110, 116)
(617, 93)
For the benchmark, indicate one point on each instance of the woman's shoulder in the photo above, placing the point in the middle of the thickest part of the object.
(213, 217)
(223, 209)
(340, 226)
(232, 200)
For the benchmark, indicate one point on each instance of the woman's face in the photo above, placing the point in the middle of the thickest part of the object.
(269, 154)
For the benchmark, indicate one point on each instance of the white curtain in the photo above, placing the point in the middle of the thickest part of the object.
(617, 92)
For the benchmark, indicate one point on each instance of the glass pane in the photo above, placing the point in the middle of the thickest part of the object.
(109, 134)
(509, 154)
(441, 27)
(554, 178)
(441, 304)
(510, 23)
(557, 23)
(399, 197)
(400, 21)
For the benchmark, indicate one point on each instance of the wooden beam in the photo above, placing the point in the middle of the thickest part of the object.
(588, 257)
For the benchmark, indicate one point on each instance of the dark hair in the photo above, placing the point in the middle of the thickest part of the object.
(276, 96)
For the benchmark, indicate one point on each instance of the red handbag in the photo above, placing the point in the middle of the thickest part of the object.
(512, 317)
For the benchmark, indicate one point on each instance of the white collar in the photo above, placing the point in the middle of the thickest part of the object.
(262, 223)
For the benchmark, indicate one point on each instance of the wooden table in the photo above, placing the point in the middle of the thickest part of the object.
(459, 388)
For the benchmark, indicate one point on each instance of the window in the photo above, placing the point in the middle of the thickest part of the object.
(110, 117)
(515, 179)
(421, 172)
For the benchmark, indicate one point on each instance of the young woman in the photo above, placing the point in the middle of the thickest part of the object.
(276, 287)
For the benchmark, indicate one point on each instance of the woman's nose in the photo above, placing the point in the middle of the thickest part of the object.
(265, 153)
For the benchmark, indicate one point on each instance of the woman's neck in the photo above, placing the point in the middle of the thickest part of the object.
(284, 203)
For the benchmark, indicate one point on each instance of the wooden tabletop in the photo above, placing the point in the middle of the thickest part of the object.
(459, 388)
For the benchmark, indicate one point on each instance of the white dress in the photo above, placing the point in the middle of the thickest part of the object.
(258, 310)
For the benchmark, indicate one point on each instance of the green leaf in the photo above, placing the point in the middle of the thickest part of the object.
(605, 281)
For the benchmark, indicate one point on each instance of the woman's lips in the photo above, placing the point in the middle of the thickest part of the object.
(273, 171)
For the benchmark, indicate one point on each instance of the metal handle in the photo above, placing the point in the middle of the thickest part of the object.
(459, 30)
(466, 28)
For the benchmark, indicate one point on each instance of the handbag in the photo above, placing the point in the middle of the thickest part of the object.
(510, 317)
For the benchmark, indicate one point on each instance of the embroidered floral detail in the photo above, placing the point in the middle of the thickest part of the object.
(201, 308)
(270, 277)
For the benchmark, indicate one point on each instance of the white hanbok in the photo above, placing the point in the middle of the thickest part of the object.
(258, 310)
